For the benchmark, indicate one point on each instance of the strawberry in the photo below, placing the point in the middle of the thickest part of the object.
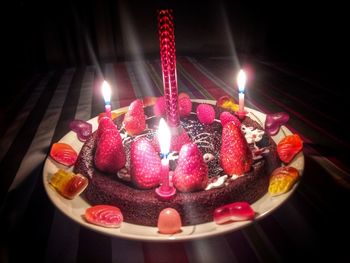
(145, 164)
(183, 95)
(159, 107)
(110, 154)
(191, 173)
(235, 155)
(134, 120)
(185, 106)
(226, 117)
(205, 113)
(104, 124)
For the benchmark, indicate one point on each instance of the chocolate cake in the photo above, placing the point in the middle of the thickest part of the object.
(142, 207)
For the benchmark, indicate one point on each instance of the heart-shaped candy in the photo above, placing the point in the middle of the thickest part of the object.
(274, 121)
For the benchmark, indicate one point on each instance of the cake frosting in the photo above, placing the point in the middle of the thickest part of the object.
(143, 206)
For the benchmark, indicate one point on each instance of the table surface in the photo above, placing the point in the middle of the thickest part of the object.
(312, 224)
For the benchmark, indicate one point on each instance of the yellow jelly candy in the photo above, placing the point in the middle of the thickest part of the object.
(282, 180)
(68, 184)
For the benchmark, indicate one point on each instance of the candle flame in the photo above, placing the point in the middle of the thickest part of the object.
(164, 137)
(106, 92)
(241, 80)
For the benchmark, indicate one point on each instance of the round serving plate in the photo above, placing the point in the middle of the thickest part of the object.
(75, 209)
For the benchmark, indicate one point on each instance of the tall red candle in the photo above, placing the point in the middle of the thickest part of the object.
(168, 59)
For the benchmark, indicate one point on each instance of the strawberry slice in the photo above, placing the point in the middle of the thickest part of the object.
(104, 215)
(134, 120)
(63, 153)
(288, 147)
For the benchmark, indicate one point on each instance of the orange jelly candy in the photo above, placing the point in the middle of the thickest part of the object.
(288, 147)
(282, 180)
(63, 153)
(68, 184)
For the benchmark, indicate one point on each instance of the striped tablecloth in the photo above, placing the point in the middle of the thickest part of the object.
(310, 225)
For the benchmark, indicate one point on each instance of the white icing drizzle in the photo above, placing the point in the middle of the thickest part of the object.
(202, 139)
(252, 135)
(207, 157)
(218, 183)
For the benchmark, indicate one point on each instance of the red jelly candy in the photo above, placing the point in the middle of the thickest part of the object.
(63, 153)
(288, 147)
(104, 215)
(68, 184)
(238, 211)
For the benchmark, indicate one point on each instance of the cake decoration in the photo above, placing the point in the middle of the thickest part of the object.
(110, 154)
(235, 155)
(106, 93)
(191, 173)
(134, 120)
(226, 117)
(205, 113)
(227, 103)
(282, 180)
(159, 107)
(104, 215)
(274, 121)
(63, 153)
(237, 211)
(82, 128)
(68, 184)
(241, 80)
(185, 105)
(288, 147)
(145, 164)
(169, 221)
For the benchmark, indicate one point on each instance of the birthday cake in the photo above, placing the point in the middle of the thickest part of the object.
(247, 180)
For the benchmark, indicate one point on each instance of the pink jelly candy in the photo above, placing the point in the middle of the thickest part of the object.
(275, 121)
(238, 211)
(83, 129)
(169, 221)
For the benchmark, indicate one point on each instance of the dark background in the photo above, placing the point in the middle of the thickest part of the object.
(42, 35)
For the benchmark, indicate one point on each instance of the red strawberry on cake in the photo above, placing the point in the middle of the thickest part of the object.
(110, 154)
(185, 105)
(191, 173)
(145, 164)
(226, 117)
(235, 155)
(104, 124)
(205, 113)
(134, 120)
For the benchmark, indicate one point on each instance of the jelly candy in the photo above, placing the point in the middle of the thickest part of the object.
(227, 103)
(113, 115)
(83, 129)
(68, 184)
(169, 221)
(104, 215)
(274, 121)
(63, 153)
(282, 180)
(237, 211)
(288, 147)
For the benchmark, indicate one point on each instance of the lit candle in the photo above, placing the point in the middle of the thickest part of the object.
(106, 92)
(165, 190)
(168, 59)
(241, 80)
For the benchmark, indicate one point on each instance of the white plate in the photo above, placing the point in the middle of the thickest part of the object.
(74, 209)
